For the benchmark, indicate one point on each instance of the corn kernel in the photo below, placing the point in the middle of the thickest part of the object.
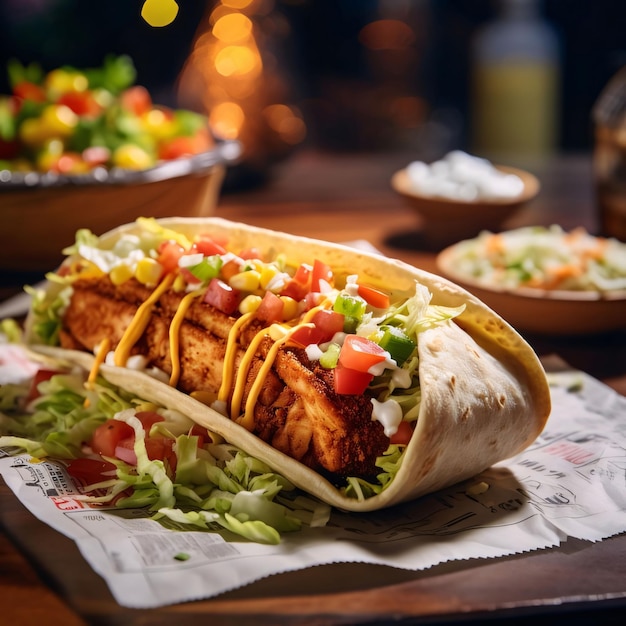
(120, 274)
(267, 273)
(90, 270)
(290, 308)
(245, 281)
(32, 132)
(180, 284)
(132, 157)
(249, 304)
(148, 271)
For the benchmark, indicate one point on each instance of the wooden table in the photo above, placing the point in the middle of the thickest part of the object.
(43, 578)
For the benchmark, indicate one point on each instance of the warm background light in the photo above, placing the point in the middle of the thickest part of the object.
(159, 12)
(235, 75)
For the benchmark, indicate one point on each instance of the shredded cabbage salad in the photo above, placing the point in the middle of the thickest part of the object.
(214, 486)
(543, 258)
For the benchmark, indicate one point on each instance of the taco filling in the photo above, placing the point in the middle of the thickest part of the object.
(300, 344)
(315, 362)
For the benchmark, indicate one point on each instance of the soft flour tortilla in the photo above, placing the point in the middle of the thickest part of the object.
(484, 392)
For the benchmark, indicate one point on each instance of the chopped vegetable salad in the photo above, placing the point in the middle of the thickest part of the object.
(71, 121)
(544, 258)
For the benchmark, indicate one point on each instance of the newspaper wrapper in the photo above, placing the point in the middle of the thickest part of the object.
(569, 483)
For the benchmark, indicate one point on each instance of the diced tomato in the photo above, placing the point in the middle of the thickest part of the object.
(311, 300)
(148, 419)
(208, 246)
(374, 297)
(326, 324)
(189, 277)
(306, 335)
(157, 448)
(359, 353)
(161, 449)
(184, 146)
(222, 296)
(201, 433)
(136, 99)
(271, 308)
(303, 274)
(41, 375)
(81, 102)
(29, 91)
(250, 253)
(90, 471)
(300, 285)
(322, 273)
(350, 382)
(176, 148)
(169, 255)
(108, 435)
(295, 290)
(402, 435)
(329, 322)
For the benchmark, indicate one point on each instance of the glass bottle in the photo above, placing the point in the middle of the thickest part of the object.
(515, 83)
(609, 156)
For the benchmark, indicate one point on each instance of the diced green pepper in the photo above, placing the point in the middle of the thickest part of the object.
(353, 308)
(208, 268)
(399, 345)
(330, 358)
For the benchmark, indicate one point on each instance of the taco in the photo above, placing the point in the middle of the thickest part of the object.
(365, 380)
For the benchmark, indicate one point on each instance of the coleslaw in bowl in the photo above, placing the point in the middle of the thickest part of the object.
(544, 279)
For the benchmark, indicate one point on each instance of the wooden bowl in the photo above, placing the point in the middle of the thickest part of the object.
(446, 221)
(41, 213)
(542, 311)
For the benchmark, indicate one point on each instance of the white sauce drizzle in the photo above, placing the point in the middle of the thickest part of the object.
(388, 413)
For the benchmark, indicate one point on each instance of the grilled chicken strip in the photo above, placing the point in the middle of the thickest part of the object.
(297, 411)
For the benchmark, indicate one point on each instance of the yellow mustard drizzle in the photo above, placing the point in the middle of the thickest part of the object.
(229, 357)
(247, 419)
(242, 372)
(101, 354)
(140, 321)
(174, 333)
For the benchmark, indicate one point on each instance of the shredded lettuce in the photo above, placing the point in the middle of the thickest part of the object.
(390, 462)
(46, 314)
(214, 487)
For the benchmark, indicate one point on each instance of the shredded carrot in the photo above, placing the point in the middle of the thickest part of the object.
(494, 244)
(557, 275)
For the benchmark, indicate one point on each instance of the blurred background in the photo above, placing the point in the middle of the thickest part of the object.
(424, 76)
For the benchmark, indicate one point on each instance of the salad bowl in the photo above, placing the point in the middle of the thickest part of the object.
(88, 148)
(542, 310)
(41, 212)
